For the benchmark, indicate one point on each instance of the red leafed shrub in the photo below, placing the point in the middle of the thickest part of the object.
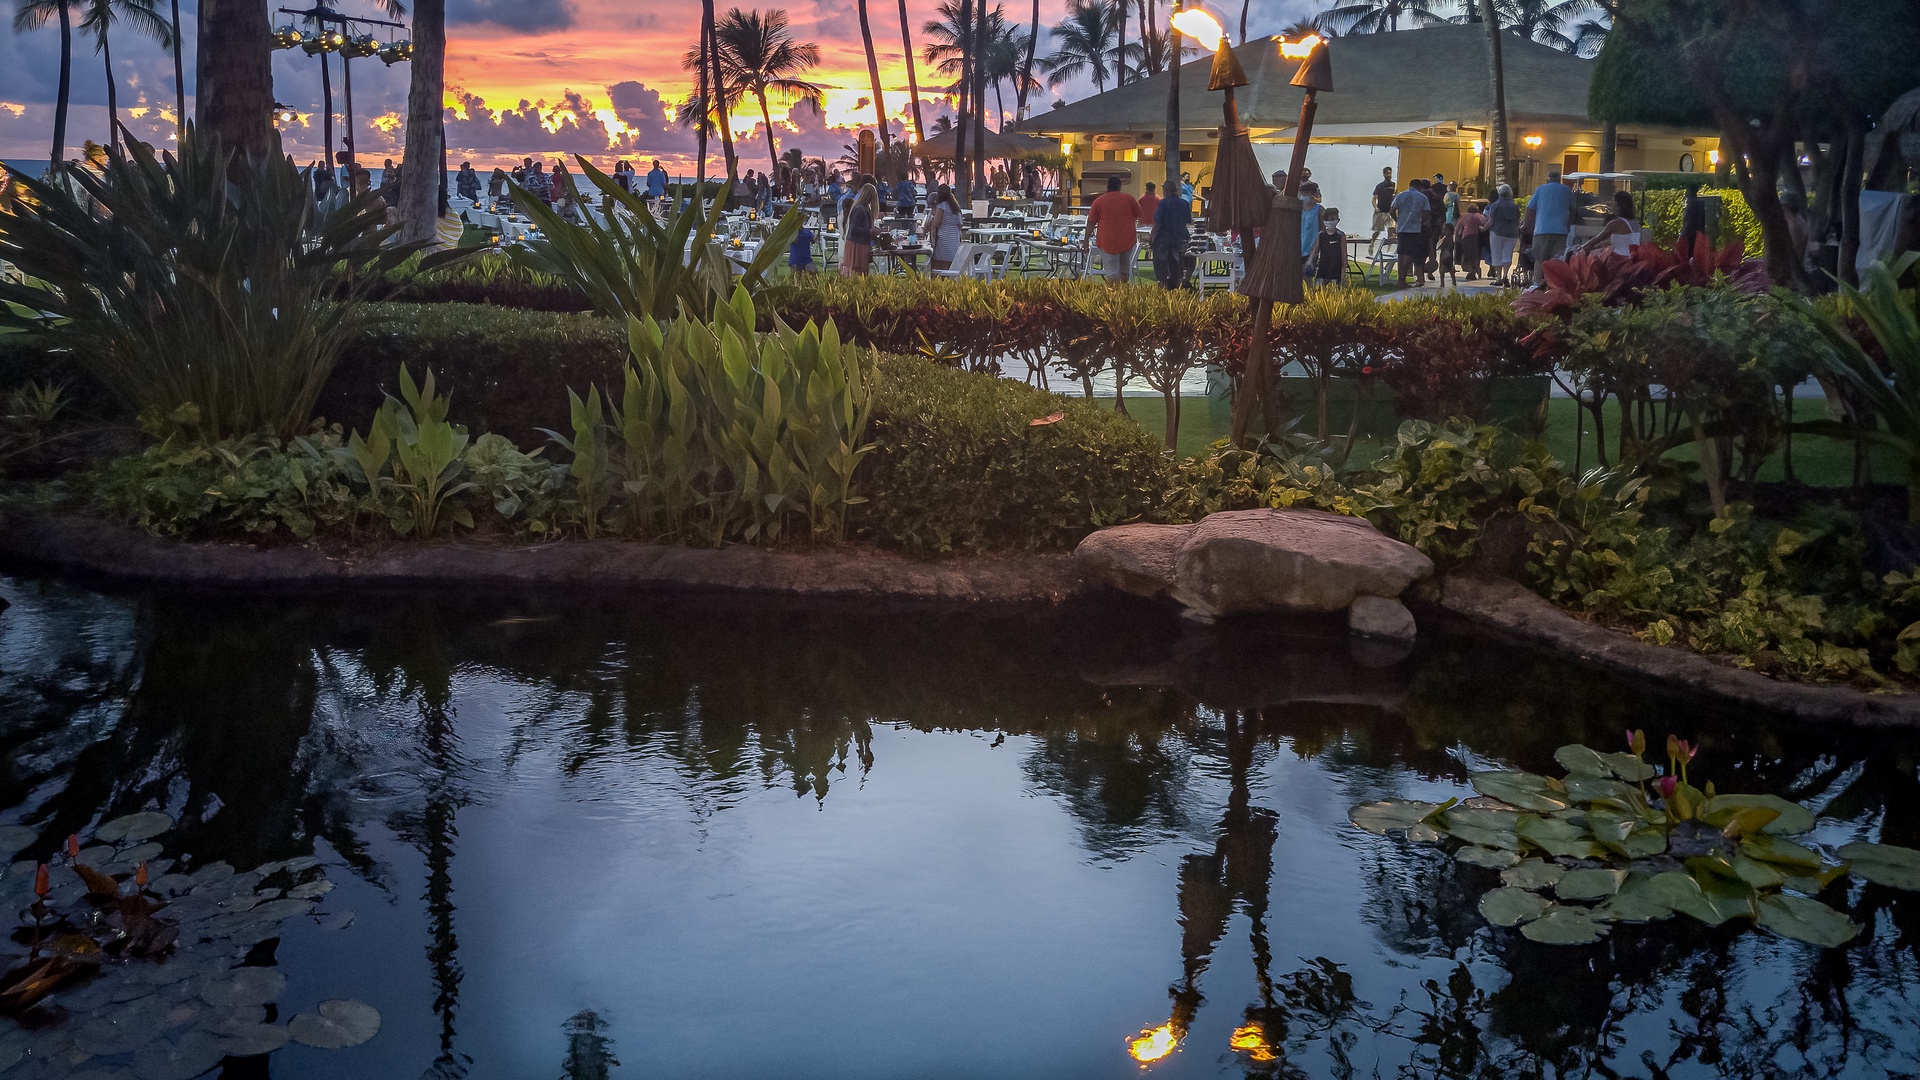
(1616, 279)
(1703, 264)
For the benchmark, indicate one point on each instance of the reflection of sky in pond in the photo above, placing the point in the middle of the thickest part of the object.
(667, 819)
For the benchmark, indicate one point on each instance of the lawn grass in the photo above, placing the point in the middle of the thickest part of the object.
(1817, 460)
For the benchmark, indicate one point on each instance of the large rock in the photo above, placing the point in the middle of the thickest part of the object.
(1135, 559)
(1377, 616)
(1260, 560)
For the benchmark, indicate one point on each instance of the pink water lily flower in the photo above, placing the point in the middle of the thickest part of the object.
(1667, 785)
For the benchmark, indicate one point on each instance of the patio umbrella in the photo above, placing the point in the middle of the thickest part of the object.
(996, 146)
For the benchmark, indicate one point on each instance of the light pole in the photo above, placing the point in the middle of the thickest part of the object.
(333, 35)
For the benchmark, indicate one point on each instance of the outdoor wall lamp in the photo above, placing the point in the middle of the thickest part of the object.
(284, 114)
(1534, 142)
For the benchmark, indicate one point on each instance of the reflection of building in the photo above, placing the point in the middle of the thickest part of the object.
(1420, 101)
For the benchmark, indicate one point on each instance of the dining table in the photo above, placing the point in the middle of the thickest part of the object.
(905, 258)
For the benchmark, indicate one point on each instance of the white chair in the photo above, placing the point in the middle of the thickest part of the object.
(1215, 270)
(961, 257)
(998, 261)
(1384, 259)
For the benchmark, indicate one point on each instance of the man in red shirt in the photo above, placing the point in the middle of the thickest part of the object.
(1148, 204)
(1113, 222)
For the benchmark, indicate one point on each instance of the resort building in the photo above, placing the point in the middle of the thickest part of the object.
(1420, 101)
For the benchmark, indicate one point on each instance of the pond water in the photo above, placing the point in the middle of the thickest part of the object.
(589, 836)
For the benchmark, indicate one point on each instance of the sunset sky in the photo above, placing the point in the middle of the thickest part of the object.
(524, 77)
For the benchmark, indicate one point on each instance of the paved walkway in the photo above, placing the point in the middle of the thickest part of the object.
(1470, 288)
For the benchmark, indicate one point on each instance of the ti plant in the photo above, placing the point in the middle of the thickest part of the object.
(592, 465)
(1891, 391)
(414, 453)
(1619, 841)
(628, 264)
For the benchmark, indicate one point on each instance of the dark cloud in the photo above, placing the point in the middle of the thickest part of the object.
(528, 16)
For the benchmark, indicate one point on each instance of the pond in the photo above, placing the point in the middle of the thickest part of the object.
(600, 836)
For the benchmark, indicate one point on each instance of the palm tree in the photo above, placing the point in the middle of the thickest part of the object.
(873, 75)
(139, 14)
(757, 56)
(1301, 28)
(421, 182)
(1026, 67)
(1150, 52)
(233, 95)
(179, 78)
(1085, 43)
(1502, 150)
(1120, 50)
(1003, 61)
(913, 80)
(32, 15)
(1544, 21)
(1377, 16)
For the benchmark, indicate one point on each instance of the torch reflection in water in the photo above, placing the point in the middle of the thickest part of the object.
(1152, 1044)
(1251, 1040)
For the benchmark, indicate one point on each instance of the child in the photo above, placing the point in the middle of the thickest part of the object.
(800, 253)
(1444, 273)
(1333, 248)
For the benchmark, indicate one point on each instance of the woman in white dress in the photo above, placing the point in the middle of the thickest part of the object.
(943, 227)
(1622, 230)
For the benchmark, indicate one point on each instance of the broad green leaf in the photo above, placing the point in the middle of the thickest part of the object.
(1487, 828)
(1520, 789)
(1794, 819)
(1884, 864)
(1424, 833)
(1585, 788)
(1390, 815)
(1805, 920)
(1583, 760)
(1750, 821)
(1511, 907)
(335, 1023)
(1774, 849)
(1629, 768)
(1758, 874)
(1532, 874)
(1592, 884)
(1636, 901)
(1714, 904)
(1556, 837)
(1489, 857)
(1565, 926)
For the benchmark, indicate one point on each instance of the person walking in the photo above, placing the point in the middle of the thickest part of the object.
(1503, 233)
(943, 227)
(1383, 220)
(1148, 204)
(1467, 233)
(1172, 230)
(1550, 216)
(1410, 210)
(1113, 222)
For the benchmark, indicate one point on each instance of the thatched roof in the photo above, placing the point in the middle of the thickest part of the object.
(1410, 78)
(996, 145)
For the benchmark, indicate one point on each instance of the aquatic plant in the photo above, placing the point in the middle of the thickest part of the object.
(129, 959)
(1620, 841)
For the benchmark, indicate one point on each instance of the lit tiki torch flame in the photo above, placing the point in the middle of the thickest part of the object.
(1152, 1044)
(1202, 27)
(1300, 50)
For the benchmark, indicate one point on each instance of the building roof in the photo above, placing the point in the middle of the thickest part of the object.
(1415, 78)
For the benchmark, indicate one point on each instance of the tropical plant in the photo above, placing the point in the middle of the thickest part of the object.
(629, 264)
(1890, 388)
(1544, 21)
(98, 20)
(1380, 16)
(1084, 43)
(32, 15)
(1149, 54)
(197, 288)
(414, 453)
(1620, 841)
(592, 467)
(758, 56)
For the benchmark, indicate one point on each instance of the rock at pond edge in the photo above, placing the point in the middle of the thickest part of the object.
(1380, 617)
(1299, 560)
(1136, 559)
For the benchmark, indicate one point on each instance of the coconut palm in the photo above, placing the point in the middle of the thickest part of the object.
(757, 56)
(1004, 62)
(1378, 16)
(913, 80)
(1150, 52)
(1546, 21)
(422, 184)
(873, 75)
(1026, 66)
(1085, 43)
(32, 15)
(99, 17)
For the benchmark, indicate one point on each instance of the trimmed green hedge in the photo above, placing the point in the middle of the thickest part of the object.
(1661, 210)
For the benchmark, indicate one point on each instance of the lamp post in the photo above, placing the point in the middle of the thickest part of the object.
(1243, 201)
(334, 35)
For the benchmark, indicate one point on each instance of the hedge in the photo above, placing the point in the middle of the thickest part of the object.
(1661, 210)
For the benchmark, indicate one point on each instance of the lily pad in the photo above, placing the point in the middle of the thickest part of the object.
(1780, 852)
(14, 838)
(1583, 760)
(188, 1056)
(1491, 858)
(133, 828)
(1713, 900)
(1794, 819)
(1565, 926)
(1629, 768)
(1885, 864)
(1390, 815)
(1805, 920)
(313, 890)
(1520, 789)
(1636, 901)
(282, 909)
(235, 1020)
(119, 1031)
(299, 863)
(244, 986)
(1511, 907)
(255, 1040)
(1586, 788)
(211, 874)
(1589, 884)
(1758, 874)
(1532, 874)
(139, 853)
(1556, 837)
(336, 1023)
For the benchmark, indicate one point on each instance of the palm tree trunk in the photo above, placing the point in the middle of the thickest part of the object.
(66, 86)
(1000, 103)
(1120, 53)
(720, 103)
(179, 77)
(1243, 23)
(961, 178)
(1026, 69)
(234, 96)
(1499, 71)
(421, 179)
(913, 80)
(705, 101)
(1148, 61)
(326, 125)
(767, 118)
(980, 46)
(113, 98)
(873, 76)
(1172, 150)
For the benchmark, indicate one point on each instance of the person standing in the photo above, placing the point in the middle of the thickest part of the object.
(857, 252)
(1172, 230)
(1309, 227)
(1113, 222)
(1452, 202)
(656, 182)
(943, 227)
(467, 182)
(497, 185)
(1410, 209)
(1330, 266)
(1467, 234)
(1436, 192)
(1148, 204)
(1383, 195)
(1550, 213)
(903, 195)
(1503, 232)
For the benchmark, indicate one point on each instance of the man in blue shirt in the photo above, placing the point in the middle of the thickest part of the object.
(832, 200)
(1550, 209)
(903, 194)
(1172, 219)
(656, 182)
(1410, 209)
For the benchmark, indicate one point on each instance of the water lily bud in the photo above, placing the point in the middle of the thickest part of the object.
(1637, 742)
(1667, 785)
(42, 883)
(140, 875)
(1673, 747)
(73, 845)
